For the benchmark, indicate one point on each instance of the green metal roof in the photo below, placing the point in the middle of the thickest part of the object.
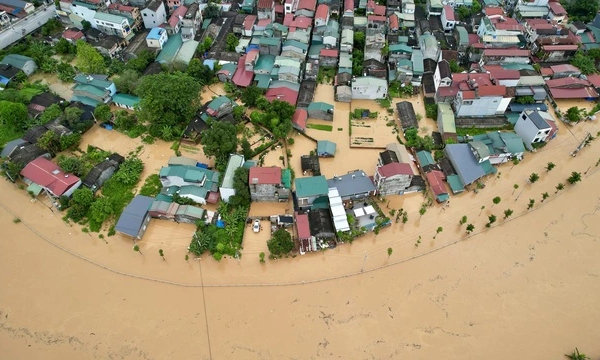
(447, 116)
(286, 178)
(269, 41)
(488, 168)
(442, 197)
(322, 202)
(311, 186)
(92, 90)
(319, 105)
(90, 80)
(193, 190)
(206, 23)
(189, 173)
(191, 211)
(126, 99)
(400, 48)
(235, 161)
(263, 81)
(163, 197)
(218, 102)
(16, 60)
(326, 147)
(249, 163)
(85, 100)
(170, 49)
(264, 63)
(34, 189)
(116, 19)
(85, 5)
(296, 43)
(425, 158)
(463, 35)
(456, 185)
(417, 60)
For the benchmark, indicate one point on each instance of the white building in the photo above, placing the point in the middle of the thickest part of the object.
(157, 38)
(482, 101)
(448, 18)
(369, 88)
(154, 14)
(226, 189)
(111, 24)
(533, 127)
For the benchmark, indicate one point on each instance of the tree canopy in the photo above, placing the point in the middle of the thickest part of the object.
(13, 115)
(200, 72)
(168, 100)
(281, 243)
(211, 11)
(89, 60)
(127, 81)
(277, 116)
(583, 62)
(242, 192)
(219, 140)
(232, 42)
(582, 10)
(250, 95)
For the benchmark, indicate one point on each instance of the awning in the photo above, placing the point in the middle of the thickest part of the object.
(359, 212)
(370, 210)
(34, 189)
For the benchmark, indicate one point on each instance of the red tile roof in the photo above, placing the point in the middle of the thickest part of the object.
(376, 18)
(264, 175)
(473, 39)
(288, 19)
(445, 91)
(436, 181)
(572, 47)
(279, 9)
(242, 77)
(301, 22)
(283, 94)
(567, 82)
(594, 79)
(48, 175)
(302, 226)
(329, 52)
(263, 22)
(72, 35)
(348, 5)
(557, 9)
(379, 10)
(322, 12)
(307, 5)
(394, 24)
(177, 14)
(494, 90)
(492, 10)
(395, 168)
(506, 52)
(300, 118)
(449, 12)
(249, 22)
(546, 71)
(581, 93)
(565, 68)
(265, 4)
(501, 74)
(123, 8)
(468, 95)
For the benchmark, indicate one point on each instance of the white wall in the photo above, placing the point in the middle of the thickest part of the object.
(154, 18)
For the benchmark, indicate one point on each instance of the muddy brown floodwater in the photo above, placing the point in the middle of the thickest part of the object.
(526, 288)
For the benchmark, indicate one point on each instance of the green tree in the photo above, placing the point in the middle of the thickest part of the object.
(281, 243)
(136, 248)
(583, 62)
(49, 141)
(103, 113)
(573, 114)
(576, 355)
(205, 45)
(389, 252)
(89, 60)
(232, 42)
(515, 187)
(261, 257)
(507, 213)
(422, 211)
(219, 140)
(127, 81)
(13, 115)
(531, 203)
(65, 71)
(250, 95)
(83, 197)
(64, 47)
(152, 186)
(463, 220)
(161, 253)
(242, 191)
(69, 141)
(582, 10)
(159, 107)
(496, 200)
(246, 149)
(574, 178)
(437, 231)
(129, 172)
(454, 66)
(463, 12)
(491, 220)
(550, 166)
(545, 196)
(533, 178)
(51, 113)
(201, 72)
(359, 40)
(211, 11)
(559, 187)
(527, 99)
(470, 228)
(70, 164)
(86, 25)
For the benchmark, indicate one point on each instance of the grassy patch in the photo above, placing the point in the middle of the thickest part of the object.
(320, 127)
(478, 131)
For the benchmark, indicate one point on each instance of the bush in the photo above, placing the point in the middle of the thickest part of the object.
(152, 186)
(431, 111)
(281, 243)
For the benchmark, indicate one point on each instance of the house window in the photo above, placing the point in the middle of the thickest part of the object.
(145, 14)
(524, 117)
(468, 102)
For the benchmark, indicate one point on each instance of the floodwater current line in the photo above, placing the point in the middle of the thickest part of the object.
(294, 283)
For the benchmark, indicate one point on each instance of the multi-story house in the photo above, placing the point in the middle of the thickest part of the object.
(266, 9)
(154, 14)
(266, 184)
(133, 13)
(191, 22)
(114, 25)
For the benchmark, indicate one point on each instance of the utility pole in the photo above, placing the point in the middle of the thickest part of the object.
(362, 269)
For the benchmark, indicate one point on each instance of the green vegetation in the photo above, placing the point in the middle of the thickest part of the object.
(576, 355)
(463, 220)
(152, 186)
(478, 131)
(580, 60)
(574, 114)
(581, 10)
(221, 241)
(358, 53)
(275, 116)
(496, 200)
(242, 192)
(320, 127)
(89, 60)
(437, 231)
(508, 213)
(530, 204)
(168, 115)
(533, 178)
(454, 66)
(470, 228)
(232, 42)
(545, 196)
(281, 243)
(261, 257)
(219, 141)
(419, 143)
(574, 178)
(389, 252)
(550, 166)
(559, 187)
(431, 111)
(491, 220)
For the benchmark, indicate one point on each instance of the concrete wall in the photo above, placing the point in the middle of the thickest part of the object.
(19, 29)
(263, 192)
(392, 185)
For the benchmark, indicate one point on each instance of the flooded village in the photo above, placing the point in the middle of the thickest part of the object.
(301, 179)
